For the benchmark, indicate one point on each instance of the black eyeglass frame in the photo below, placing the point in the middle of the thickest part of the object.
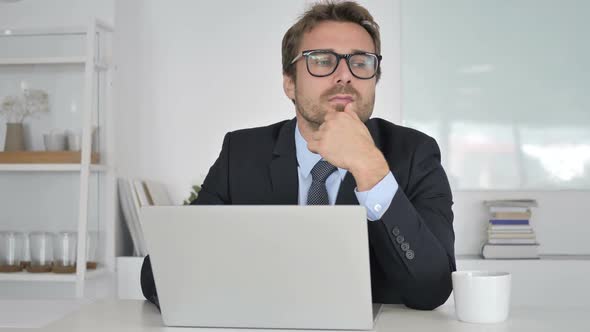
(339, 57)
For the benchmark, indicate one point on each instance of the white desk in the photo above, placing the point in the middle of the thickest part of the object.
(134, 315)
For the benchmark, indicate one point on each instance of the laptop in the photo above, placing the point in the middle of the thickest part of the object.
(287, 267)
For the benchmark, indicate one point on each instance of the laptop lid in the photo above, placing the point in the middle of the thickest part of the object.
(300, 267)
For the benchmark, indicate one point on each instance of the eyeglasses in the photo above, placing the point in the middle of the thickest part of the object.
(322, 63)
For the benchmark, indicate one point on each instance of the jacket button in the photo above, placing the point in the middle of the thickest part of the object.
(405, 246)
(410, 254)
(395, 231)
(400, 239)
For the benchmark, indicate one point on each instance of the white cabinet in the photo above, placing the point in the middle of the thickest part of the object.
(61, 191)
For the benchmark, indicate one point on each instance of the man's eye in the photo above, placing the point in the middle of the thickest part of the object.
(322, 61)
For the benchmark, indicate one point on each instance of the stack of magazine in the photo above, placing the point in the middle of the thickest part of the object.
(134, 194)
(510, 234)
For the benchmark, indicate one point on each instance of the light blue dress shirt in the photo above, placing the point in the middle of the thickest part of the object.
(376, 200)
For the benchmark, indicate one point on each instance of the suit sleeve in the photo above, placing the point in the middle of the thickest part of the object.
(214, 191)
(413, 242)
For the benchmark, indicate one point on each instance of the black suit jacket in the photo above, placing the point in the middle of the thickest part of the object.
(411, 246)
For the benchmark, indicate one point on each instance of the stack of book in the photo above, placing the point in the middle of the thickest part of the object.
(133, 195)
(510, 234)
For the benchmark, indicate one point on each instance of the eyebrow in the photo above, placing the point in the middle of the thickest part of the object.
(353, 51)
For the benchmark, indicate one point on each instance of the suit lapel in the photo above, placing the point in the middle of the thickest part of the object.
(374, 131)
(283, 167)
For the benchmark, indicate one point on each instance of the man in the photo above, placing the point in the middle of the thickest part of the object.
(331, 153)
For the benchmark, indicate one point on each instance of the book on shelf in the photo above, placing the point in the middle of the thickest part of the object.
(142, 194)
(127, 209)
(510, 228)
(133, 195)
(512, 241)
(509, 209)
(130, 204)
(510, 234)
(508, 222)
(528, 235)
(511, 203)
(510, 251)
(511, 215)
(157, 193)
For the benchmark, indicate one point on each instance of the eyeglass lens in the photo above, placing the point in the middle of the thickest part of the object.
(324, 64)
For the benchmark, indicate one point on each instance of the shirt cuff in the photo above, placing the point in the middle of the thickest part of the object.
(377, 199)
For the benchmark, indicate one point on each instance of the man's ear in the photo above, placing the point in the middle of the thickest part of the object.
(289, 86)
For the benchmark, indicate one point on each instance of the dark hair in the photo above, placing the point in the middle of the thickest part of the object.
(347, 11)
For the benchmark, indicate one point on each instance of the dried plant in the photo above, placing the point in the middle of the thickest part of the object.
(17, 108)
(193, 196)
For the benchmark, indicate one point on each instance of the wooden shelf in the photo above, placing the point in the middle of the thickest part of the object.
(50, 168)
(78, 61)
(49, 277)
(45, 157)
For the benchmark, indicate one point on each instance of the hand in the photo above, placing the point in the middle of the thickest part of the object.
(344, 141)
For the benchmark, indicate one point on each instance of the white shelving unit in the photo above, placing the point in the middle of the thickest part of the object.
(43, 61)
(95, 70)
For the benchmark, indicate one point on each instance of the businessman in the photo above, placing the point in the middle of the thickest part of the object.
(333, 153)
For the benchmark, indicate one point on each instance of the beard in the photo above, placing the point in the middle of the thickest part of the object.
(314, 111)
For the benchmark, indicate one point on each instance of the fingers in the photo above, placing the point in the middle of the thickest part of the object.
(348, 110)
(317, 136)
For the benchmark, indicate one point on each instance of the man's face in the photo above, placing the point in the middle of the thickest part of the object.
(316, 96)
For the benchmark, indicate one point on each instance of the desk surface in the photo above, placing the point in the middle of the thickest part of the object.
(134, 315)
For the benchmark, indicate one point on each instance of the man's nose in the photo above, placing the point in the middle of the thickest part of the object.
(342, 75)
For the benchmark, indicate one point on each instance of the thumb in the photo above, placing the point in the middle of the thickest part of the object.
(348, 110)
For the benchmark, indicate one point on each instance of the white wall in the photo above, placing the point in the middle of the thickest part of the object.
(43, 13)
(190, 71)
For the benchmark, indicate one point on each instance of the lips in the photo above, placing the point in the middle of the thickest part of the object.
(341, 99)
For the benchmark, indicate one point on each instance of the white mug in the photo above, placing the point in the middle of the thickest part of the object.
(74, 140)
(481, 296)
(54, 141)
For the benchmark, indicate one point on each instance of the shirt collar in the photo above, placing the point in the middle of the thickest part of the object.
(307, 159)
